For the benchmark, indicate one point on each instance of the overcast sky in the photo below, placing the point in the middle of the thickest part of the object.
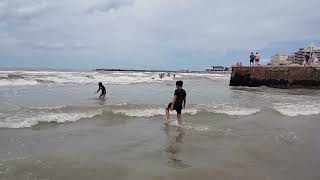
(170, 34)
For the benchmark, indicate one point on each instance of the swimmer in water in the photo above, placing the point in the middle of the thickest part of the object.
(103, 91)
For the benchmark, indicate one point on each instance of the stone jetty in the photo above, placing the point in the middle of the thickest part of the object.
(276, 76)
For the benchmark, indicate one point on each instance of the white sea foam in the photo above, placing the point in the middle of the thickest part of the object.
(230, 110)
(3, 75)
(238, 111)
(296, 109)
(149, 112)
(14, 122)
(36, 77)
(17, 82)
(48, 107)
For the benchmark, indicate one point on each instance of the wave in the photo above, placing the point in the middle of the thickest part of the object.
(149, 112)
(238, 111)
(51, 117)
(39, 77)
(28, 117)
(230, 110)
(8, 78)
(297, 109)
(48, 108)
(17, 82)
(140, 110)
(194, 110)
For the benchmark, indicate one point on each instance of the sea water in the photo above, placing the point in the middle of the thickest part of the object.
(52, 122)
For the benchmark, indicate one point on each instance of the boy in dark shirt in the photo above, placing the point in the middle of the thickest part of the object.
(103, 91)
(178, 102)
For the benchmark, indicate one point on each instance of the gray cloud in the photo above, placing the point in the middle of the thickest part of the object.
(46, 45)
(18, 10)
(108, 5)
(155, 32)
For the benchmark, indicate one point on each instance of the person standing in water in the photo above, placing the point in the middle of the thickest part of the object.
(103, 91)
(178, 103)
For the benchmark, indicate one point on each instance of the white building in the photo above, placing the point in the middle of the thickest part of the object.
(300, 54)
(279, 59)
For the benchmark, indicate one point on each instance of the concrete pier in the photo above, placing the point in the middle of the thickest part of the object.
(276, 76)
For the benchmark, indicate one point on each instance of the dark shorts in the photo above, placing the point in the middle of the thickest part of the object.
(251, 60)
(178, 109)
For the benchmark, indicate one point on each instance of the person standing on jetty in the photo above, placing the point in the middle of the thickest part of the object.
(103, 91)
(252, 57)
(307, 59)
(178, 103)
(257, 59)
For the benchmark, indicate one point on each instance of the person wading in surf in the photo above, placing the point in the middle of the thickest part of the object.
(178, 102)
(103, 91)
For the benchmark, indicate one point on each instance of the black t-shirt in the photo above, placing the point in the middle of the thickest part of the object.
(103, 89)
(181, 96)
(252, 57)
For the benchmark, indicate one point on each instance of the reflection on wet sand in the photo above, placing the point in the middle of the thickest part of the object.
(173, 149)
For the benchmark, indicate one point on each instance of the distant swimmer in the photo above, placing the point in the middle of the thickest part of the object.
(178, 103)
(103, 91)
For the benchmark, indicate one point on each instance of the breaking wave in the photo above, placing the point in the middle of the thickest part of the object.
(230, 110)
(28, 117)
(17, 82)
(149, 112)
(297, 109)
(20, 78)
(238, 111)
(51, 117)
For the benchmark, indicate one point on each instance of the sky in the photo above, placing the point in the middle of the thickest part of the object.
(151, 34)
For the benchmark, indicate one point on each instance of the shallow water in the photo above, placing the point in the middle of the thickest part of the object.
(60, 130)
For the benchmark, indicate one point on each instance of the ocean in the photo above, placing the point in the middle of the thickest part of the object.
(53, 126)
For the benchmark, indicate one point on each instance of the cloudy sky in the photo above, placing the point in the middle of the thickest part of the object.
(153, 34)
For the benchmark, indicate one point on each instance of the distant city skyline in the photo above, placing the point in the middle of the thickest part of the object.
(151, 34)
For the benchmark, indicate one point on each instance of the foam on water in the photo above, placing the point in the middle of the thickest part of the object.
(48, 107)
(231, 110)
(17, 82)
(36, 77)
(8, 78)
(238, 111)
(16, 122)
(149, 112)
(296, 109)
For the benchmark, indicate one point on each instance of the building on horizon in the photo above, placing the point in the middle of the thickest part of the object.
(218, 69)
(279, 59)
(299, 56)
